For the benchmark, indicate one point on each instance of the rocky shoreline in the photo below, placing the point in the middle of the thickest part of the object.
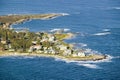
(94, 57)
(41, 43)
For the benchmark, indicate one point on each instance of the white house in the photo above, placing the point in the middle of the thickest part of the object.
(37, 47)
(67, 52)
(3, 42)
(31, 49)
(44, 39)
(51, 51)
(45, 48)
(51, 37)
(39, 51)
(34, 42)
(62, 47)
(81, 54)
(46, 51)
(74, 55)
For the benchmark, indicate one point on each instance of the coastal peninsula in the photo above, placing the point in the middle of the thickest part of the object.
(26, 43)
(7, 20)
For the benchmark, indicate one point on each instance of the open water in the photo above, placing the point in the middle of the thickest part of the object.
(98, 25)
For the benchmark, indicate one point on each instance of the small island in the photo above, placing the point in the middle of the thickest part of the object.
(25, 43)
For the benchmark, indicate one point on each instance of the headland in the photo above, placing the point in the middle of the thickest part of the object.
(26, 43)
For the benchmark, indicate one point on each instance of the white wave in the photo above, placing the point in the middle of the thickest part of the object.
(93, 66)
(65, 14)
(102, 34)
(113, 8)
(58, 29)
(66, 30)
(106, 29)
(80, 44)
(58, 59)
(116, 7)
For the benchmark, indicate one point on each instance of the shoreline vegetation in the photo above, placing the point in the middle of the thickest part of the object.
(25, 43)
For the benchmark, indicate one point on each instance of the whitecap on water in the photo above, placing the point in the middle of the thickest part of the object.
(66, 30)
(79, 44)
(106, 29)
(65, 14)
(116, 8)
(102, 33)
(113, 8)
(82, 44)
(93, 66)
(58, 59)
(58, 29)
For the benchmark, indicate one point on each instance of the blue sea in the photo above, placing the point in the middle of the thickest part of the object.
(97, 23)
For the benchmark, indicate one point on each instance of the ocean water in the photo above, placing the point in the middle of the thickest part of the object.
(98, 25)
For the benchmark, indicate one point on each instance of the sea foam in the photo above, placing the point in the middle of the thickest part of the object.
(102, 33)
(58, 29)
(65, 14)
(80, 44)
(93, 66)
